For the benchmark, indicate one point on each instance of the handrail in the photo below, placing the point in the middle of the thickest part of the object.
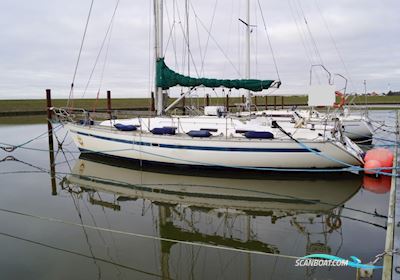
(344, 78)
(324, 68)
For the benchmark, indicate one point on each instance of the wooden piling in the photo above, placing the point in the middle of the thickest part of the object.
(266, 103)
(282, 102)
(207, 99)
(184, 105)
(49, 115)
(152, 105)
(274, 102)
(51, 142)
(227, 102)
(109, 103)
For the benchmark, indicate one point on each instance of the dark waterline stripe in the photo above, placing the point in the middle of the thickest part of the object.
(202, 148)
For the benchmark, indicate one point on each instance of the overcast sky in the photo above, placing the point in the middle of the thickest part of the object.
(40, 41)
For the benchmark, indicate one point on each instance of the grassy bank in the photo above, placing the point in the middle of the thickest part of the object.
(32, 107)
(39, 105)
(16, 120)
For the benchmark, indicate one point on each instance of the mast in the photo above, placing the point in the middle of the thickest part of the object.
(158, 48)
(248, 97)
(187, 36)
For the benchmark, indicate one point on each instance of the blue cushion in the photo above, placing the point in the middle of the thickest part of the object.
(199, 133)
(163, 130)
(258, 135)
(124, 127)
(86, 122)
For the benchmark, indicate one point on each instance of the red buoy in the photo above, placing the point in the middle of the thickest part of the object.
(372, 164)
(377, 185)
(383, 156)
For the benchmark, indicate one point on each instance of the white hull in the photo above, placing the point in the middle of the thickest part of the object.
(357, 129)
(214, 151)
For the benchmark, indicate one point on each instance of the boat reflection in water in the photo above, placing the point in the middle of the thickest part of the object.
(222, 211)
(284, 193)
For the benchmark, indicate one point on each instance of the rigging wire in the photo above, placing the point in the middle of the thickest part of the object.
(174, 9)
(314, 43)
(172, 35)
(269, 40)
(71, 92)
(186, 39)
(187, 34)
(151, 58)
(106, 36)
(301, 35)
(256, 41)
(208, 37)
(229, 34)
(215, 41)
(333, 42)
(239, 45)
(186, 43)
(171, 28)
(199, 43)
(102, 72)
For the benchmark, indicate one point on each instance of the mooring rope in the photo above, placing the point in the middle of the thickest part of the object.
(145, 236)
(10, 148)
(80, 254)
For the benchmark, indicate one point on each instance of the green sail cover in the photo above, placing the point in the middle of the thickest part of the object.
(167, 78)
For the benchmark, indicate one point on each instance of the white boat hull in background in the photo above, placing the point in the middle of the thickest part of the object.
(358, 129)
(355, 127)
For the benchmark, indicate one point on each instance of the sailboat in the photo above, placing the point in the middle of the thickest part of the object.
(220, 140)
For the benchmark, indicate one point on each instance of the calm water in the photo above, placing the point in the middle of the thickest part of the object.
(275, 219)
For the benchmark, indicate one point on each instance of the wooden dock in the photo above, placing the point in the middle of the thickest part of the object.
(396, 222)
(396, 235)
(391, 260)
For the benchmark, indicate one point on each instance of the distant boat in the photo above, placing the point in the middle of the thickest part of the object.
(355, 127)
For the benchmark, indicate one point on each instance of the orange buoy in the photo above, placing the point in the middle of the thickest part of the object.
(377, 185)
(383, 156)
(372, 164)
